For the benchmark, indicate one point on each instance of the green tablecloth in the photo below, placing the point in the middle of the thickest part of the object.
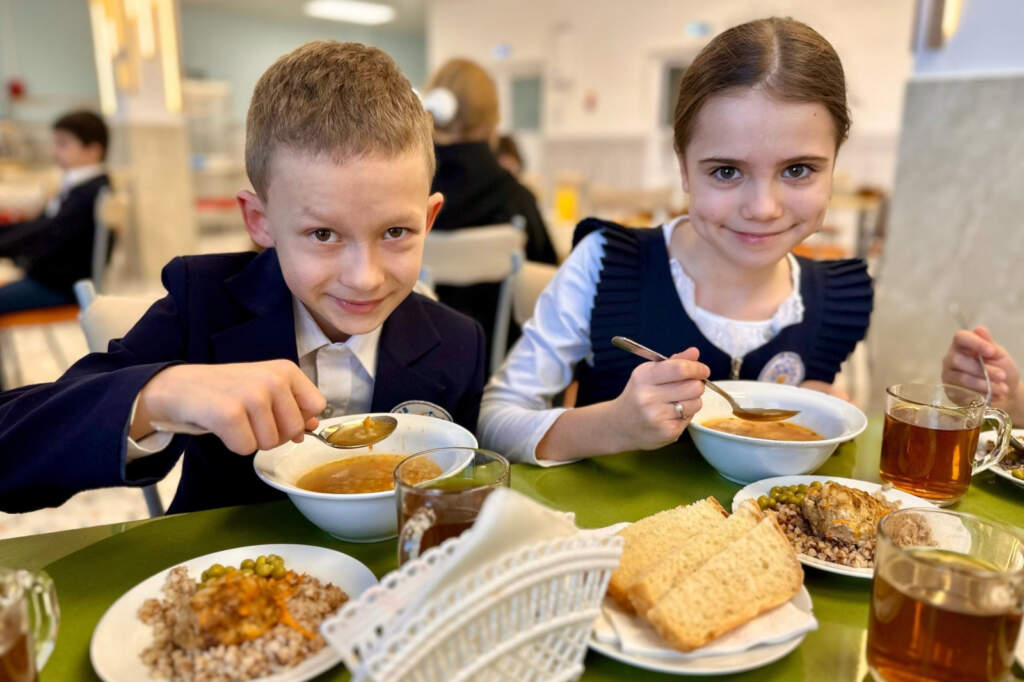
(95, 566)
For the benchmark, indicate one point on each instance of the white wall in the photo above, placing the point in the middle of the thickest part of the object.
(609, 46)
(237, 47)
(989, 39)
(615, 49)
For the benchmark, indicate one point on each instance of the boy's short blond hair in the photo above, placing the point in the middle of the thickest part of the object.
(342, 100)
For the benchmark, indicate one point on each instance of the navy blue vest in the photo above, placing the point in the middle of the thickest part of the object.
(636, 297)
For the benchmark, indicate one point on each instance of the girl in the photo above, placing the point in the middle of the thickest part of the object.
(760, 117)
(463, 101)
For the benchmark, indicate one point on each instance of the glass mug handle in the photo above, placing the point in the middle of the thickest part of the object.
(990, 459)
(43, 612)
(410, 539)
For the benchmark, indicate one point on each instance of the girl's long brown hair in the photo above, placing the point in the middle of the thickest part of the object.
(788, 59)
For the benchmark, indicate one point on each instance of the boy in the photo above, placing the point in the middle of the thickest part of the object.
(339, 151)
(56, 248)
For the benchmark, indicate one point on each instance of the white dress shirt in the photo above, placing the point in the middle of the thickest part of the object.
(516, 410)
(344, 372)
(71, 178)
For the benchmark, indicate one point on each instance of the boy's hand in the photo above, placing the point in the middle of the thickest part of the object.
(645, 410)
(960, 366)
(249, 406)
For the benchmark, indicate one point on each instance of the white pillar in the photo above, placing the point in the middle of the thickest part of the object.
(138, 62)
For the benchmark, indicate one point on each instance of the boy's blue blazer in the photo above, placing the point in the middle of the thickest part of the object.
(60, 438)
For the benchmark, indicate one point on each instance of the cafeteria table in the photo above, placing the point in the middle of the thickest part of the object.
(92, 567)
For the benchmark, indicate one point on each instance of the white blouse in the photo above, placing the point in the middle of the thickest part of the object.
(516, 410)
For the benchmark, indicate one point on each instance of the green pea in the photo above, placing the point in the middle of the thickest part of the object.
(279, 571)
(274, 558)
(763, 502)
(248, 571)
(264, 569)
(247, 563)
(217, 570)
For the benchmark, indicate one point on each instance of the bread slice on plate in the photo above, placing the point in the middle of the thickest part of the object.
(654, 537)
(689, 555)
(755, 573)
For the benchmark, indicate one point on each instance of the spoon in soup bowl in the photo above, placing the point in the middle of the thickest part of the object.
(356, 433)
(754, 414)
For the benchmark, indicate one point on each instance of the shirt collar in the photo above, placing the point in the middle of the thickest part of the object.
(76, 176)
(309, 338)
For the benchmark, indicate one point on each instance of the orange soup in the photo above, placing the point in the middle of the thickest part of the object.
(364, 474)
(765, 430)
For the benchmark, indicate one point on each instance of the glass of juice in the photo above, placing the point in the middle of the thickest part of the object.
(946, 598)
(930, 440)
(433, 510)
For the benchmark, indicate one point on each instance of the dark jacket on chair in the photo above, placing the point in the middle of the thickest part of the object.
(57, 439)
(57, 251)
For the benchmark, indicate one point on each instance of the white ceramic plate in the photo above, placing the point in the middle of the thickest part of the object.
(120, 636)
(711, 665)
(755, 490)
(997, 469)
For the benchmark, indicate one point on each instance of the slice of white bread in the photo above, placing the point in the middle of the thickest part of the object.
(687, 556)
(755, 573)
(651, 538)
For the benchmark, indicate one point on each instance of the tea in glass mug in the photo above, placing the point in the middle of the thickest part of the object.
(431, 511)
(945, 607)
(29, 618)
(930, 440)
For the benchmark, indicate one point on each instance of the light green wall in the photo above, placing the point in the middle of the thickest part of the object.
(48, 44)
(224, 45)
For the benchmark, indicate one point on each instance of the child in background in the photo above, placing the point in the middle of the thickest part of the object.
(463, 101)
(56, 248)
(759, 120)
(961, 367)
(254, 347)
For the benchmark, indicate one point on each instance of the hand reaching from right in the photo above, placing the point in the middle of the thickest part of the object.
(249, 406)
(960, 367)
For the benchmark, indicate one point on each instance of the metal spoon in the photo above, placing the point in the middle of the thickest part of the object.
(344, 436)
(754, 414)
(961, 319)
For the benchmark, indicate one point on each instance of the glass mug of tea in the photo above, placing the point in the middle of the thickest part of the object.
(29, 618)
(431, 510)
(946, 604)
(930, 439)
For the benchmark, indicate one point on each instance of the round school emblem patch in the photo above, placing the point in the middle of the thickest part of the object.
(784, 368)
(422, 407)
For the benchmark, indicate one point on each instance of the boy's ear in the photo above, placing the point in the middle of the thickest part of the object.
(95, 151)
(434, 203)
(255, 216)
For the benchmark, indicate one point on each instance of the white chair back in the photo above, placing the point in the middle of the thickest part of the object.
(103, 318)
(474, 255)
(112, 214)
(526, 287)
(110, 317)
